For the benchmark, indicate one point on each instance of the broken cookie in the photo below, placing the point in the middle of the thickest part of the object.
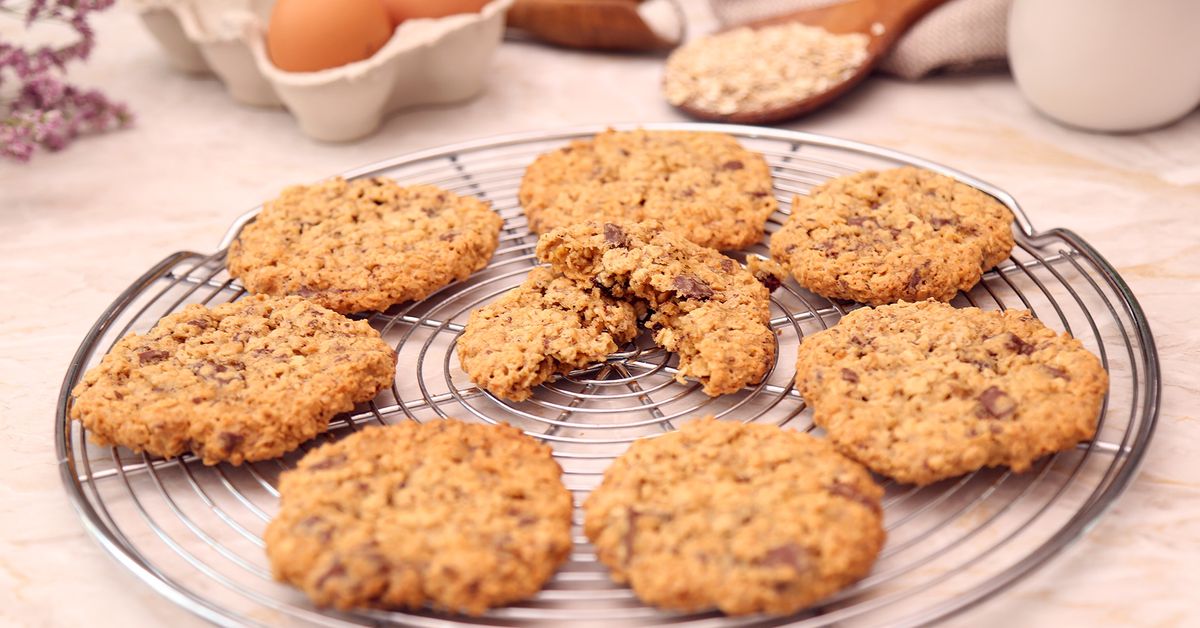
(707, 308)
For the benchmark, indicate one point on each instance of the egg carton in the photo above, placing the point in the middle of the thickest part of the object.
(426, 61)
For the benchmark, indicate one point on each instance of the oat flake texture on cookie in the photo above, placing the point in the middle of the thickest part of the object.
(244, 381)
(364, 244)
(901, 234)
(922, 392)
(741, 517)
(706, 186)
(463, 517)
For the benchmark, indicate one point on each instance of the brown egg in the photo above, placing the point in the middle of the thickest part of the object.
(401, 10)
(311, 35)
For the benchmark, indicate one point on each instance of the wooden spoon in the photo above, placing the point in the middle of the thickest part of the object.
(882, 21)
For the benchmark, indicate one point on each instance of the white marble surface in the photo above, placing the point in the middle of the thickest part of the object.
(80, 225)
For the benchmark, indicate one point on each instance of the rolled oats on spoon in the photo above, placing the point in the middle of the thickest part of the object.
(748, 70)
(780, 68)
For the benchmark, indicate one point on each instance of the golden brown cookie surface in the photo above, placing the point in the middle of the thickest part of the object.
(365, 244)
(707, 308)
(746, 518)
(248, 380)
(924, 391)
(704, 185)
(906, 233)
(463, 516)
(549, 324)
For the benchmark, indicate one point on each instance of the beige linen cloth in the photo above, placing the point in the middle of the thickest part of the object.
(961, 35)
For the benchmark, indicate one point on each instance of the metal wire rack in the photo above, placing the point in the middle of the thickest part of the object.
(193, 533)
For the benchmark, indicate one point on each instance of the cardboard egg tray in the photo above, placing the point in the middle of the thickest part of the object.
(426, 61)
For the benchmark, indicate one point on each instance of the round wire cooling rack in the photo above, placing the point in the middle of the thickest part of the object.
(193, 533)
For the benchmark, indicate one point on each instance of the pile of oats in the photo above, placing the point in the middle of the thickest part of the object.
(747, 70)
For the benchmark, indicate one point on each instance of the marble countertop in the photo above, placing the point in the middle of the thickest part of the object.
(80, 225)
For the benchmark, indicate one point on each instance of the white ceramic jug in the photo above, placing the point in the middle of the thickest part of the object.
(1107, 65)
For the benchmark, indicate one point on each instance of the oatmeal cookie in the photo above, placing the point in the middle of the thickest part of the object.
(248, 380)
(906, 233)
(703, 185)
(925, 391)
(463, 516)
(365, 244)
(549, 324)
(744, 518)
(707, 308)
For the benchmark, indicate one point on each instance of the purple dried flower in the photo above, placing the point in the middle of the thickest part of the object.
(15, 141)
(47, 111)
